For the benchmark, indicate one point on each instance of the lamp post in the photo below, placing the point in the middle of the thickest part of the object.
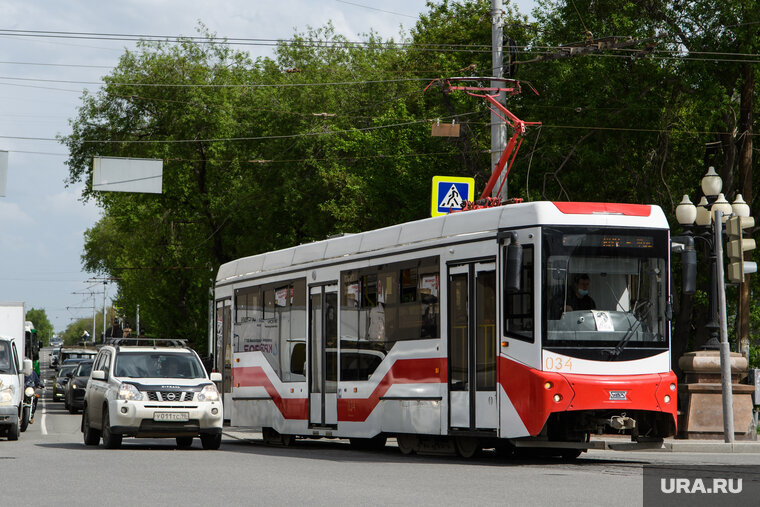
(698, 221)
(709, 216)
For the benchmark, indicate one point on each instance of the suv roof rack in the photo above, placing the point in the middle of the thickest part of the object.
(154, 342)
(80, 345)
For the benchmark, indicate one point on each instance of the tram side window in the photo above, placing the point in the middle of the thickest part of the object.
(381, 305)
(293, 342)
(271, 319)
(518, 306)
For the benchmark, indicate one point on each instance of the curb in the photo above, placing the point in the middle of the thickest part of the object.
(711, 446)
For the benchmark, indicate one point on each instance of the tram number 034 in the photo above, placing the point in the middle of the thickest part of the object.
(558, 363)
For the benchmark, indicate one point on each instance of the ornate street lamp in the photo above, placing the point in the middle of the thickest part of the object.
(697, 221)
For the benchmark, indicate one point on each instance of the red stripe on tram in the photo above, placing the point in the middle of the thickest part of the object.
(255, 376)
(404, 371)
(589, 208)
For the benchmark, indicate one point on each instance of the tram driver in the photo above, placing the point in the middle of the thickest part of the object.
(577, 298)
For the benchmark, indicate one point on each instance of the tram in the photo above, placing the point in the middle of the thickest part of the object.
(467, 330)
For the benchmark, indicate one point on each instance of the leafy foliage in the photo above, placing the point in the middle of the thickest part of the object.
(331, 136)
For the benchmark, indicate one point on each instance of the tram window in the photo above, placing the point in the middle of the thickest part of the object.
(247, 304)
(271, 319)
(408, 285)
(381, 305)
(518, 306)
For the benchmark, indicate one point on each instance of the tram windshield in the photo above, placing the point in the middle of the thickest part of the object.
(605, 288)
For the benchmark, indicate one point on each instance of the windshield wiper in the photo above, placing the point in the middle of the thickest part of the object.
(615, 353)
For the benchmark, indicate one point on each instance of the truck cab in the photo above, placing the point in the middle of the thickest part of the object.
(12, 372)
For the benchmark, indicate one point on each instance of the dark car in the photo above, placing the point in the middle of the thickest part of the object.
(74, 399)
(75, 352)
(61, 379)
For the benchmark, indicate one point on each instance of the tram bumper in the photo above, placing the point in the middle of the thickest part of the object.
(643, 406)
(565, 406)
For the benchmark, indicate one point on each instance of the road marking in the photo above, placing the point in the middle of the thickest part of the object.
(44, 413)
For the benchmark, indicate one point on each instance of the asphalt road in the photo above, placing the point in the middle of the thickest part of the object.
(50, 465)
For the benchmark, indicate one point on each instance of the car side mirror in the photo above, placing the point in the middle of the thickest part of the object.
(69, 374)
(98, 375)
(215, 376)
(27, 368)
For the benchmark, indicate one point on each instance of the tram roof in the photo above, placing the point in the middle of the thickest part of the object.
(449, 226)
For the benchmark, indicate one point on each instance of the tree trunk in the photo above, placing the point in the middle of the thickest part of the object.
(745, 185)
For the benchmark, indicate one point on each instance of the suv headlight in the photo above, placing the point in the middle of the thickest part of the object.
(208, 393)
(129, 392)
(6, 395)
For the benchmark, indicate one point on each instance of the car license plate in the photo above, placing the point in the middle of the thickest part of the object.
(171, 416)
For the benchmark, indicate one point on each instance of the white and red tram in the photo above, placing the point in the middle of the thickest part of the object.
(457, 331)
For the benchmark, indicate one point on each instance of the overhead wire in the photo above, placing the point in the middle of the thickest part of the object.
(376, 9)
(377, 127)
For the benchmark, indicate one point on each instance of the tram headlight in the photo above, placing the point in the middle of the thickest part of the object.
(672, 387)
(548, 385)
(667, 398)
(557, 397)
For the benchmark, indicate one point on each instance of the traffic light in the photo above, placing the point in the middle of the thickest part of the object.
(737, 245)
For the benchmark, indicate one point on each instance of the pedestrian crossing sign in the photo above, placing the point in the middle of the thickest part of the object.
(449, 193)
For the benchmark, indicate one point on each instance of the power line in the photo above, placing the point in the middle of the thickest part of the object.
(41, 64)
(376, 9)
(222, 85)
(120, 37)
(262, 138)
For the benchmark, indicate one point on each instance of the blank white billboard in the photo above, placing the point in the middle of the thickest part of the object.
(3, 172)
(116, 174)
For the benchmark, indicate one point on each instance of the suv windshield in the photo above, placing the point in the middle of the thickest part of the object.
(605, 289)
(7, 365)
(158, 365)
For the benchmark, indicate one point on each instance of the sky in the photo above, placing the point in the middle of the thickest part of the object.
(42, 221)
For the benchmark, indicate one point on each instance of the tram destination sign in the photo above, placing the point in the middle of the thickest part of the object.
(608, 241)
(449, 194)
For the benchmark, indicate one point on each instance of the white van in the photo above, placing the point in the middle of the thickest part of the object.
(11, 387)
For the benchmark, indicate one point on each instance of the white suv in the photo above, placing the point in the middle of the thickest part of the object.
(158, 391)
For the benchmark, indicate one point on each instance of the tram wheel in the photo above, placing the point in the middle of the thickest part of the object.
(407, 444)
(467, 447)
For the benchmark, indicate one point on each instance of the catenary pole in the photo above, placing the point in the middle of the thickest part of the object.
(498, 128)
(94, 313)
(105, 283)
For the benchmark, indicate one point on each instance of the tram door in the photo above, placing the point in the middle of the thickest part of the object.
(223, 349)
(472, 346)
(323, 355)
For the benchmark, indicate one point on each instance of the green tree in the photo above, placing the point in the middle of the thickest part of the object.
(264, 159)
(75, 331)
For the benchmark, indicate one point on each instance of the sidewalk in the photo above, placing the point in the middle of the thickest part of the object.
(607, 443)
(680, 445)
